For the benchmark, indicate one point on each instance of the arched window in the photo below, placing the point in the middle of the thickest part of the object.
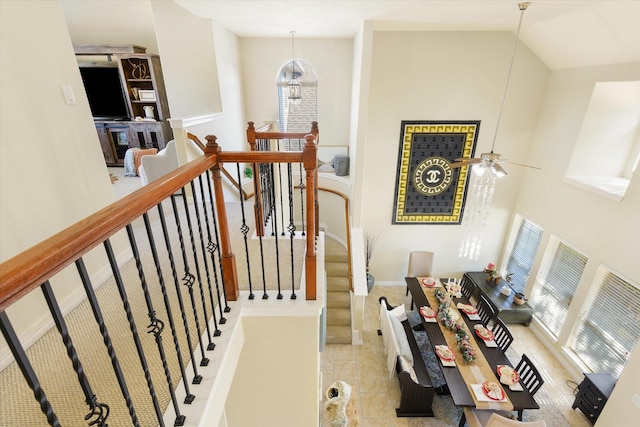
(297, 116)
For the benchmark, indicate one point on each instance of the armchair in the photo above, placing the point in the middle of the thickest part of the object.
(155, 166)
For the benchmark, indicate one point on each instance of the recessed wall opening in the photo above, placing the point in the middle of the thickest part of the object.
(607, 151)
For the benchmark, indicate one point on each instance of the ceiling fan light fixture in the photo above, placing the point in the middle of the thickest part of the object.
(480, 169)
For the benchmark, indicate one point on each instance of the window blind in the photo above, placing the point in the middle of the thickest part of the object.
(609, 329)
(561, 270)
(523, 253)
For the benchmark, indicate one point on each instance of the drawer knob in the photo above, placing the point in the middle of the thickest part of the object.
(595, 407)
(599, 399)
(591, 415)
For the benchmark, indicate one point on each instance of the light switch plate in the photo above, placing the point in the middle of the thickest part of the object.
(69, 97)
(635, 399)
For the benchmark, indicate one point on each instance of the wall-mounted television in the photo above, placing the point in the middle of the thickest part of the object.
(104, 91)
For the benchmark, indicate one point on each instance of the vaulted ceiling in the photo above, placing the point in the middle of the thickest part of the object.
(563, 33)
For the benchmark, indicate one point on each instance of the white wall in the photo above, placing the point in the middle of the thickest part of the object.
(442, 76)
(607, 231)
(332, 60)
(287, 373)
(52, 171)
(111, 22)
(188, 60)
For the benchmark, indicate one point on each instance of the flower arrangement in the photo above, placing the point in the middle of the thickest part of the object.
(370, 240)
(490, 269)
(462, 337)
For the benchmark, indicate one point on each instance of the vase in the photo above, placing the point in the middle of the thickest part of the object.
(370, 281)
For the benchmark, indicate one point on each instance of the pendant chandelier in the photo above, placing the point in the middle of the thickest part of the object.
(295, 92)
(485, 174)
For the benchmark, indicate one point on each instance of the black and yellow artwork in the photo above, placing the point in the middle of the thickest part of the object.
(428, 189)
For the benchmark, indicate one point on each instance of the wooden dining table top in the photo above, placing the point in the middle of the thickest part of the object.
(458, 387)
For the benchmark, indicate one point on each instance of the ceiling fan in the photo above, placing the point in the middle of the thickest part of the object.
(491, 161)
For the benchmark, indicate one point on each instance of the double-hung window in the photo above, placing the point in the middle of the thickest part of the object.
(520, 256)
(296, 116)
(609, 327)
(557, 281)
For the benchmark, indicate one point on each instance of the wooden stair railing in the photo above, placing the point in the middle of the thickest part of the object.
(347, 230)
(34, 267)
(231, 179)
(24, 272)
(259, 140)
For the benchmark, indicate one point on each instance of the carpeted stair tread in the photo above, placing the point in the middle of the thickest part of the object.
(338, 300)
(337, 284)
(338, 334)
(338, 316)
(335, 258)
(337, 269)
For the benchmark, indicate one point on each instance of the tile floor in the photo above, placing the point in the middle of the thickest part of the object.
(375, 395)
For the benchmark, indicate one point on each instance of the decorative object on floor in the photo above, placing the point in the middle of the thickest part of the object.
(295, 91)
(112, 177)
(342, 413)
(428, 190)
(370, 240)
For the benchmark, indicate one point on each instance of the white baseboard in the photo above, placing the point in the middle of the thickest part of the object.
(36, 331)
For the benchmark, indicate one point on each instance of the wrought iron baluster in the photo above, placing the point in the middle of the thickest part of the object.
(98, 410)
(189, 279)
(280, 189)
(167, 304)
(275, 234)
(227, 309)
(197, 379)
(214, 247)
(97, 314)
(244, 228)
(206, 266)
(291, 228)
(27, 370)
(156, 326)
(194, 249)
(260, 240)
(209, 248)
(134, 329)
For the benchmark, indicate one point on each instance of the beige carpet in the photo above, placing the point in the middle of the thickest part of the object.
(48, 355)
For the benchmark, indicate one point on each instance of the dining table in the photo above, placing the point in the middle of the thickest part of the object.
(465, 377)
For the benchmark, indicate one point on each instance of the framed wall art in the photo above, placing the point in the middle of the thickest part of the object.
(428, 190)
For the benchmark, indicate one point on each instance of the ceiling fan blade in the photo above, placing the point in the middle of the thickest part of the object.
(520, 164)
(499, 169)
(458, 164)
(470, 160)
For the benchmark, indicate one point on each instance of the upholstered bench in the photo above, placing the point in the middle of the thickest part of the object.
(405, 358)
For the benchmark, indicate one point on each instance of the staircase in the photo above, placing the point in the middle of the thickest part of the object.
(338, 295)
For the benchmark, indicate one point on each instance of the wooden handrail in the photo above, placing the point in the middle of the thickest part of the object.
(231, 179)
(24, 272)
(348, 230)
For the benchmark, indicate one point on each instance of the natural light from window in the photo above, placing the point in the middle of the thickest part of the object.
(608, 147)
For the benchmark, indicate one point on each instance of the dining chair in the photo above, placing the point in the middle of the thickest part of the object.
(420, 265)
(530, 377)
(467, 287)
(502, 334)
(491, 418)
(485, 310)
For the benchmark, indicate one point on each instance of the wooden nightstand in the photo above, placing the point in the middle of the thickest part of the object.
(593, 393)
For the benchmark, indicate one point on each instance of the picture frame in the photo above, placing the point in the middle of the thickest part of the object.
(428, 190)
(146, 95)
